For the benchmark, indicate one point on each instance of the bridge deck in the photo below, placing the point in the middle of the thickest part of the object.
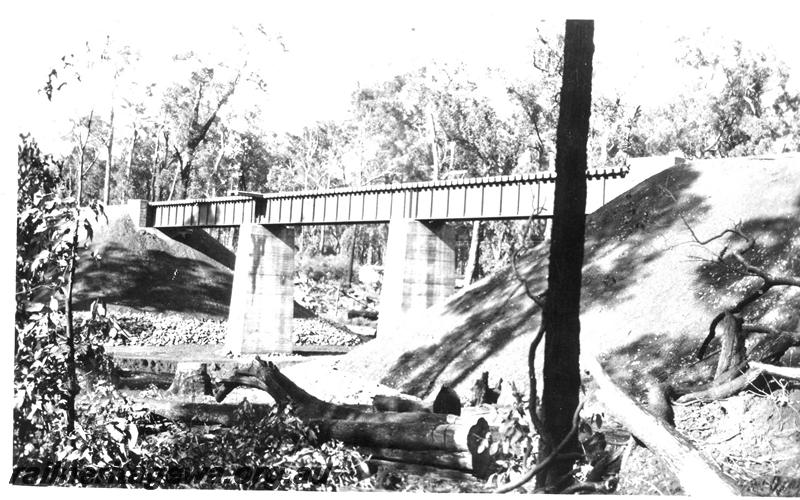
(502, 197)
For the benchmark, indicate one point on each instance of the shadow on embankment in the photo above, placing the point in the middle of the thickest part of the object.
(498, 316)
(154, 280)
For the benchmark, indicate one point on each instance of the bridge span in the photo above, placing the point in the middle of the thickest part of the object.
(420, 252)
(502, 197)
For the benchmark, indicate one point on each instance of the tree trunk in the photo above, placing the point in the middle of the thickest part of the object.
(129, 165)
(353, 243)
(79, 175)
(434, 147)
(732, 353)
(211, 188)
(471, 271)
(109, 160)
(561, 312)
(72, 376)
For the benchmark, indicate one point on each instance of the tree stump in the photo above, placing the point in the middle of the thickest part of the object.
(191, 377)
(482, 393)
(732, 352)
(447, 401)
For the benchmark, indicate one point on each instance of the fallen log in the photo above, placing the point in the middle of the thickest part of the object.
(457, 436)
(777, 371)
(434, 458)
(199, 413)
(723, 390)
(697, 474)
(224, 414)
(398, 404)
(360, 425)
(264, 375)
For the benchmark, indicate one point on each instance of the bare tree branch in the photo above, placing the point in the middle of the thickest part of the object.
(769, 280)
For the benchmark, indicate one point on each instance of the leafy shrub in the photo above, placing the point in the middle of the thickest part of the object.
(44, 219)
(515, 452)
(48, 223)
(117, 444)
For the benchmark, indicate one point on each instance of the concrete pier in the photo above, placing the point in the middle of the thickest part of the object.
(419, 270)
(262, 300)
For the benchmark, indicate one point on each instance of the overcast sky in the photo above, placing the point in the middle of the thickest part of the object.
(332, 46)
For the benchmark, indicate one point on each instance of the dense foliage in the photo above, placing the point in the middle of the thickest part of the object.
(47, 223)
(113, 442)
(117, 443)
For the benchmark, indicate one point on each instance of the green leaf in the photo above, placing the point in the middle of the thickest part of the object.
(133, 431)
(115, 433)
(34, 307)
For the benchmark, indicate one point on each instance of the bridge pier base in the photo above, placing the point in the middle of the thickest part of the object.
(262, 299)
(419, 270)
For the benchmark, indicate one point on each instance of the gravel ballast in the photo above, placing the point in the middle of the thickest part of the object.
(160, 329)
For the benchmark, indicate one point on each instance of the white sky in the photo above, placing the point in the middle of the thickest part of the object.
(333, 45)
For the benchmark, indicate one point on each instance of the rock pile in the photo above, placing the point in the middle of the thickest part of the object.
(158, 329)
(318, 331)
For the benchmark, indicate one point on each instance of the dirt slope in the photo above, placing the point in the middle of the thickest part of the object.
(148, 271)
(648, 296)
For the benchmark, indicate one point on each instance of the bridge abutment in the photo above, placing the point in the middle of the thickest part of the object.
(262, 299)
(419, 269)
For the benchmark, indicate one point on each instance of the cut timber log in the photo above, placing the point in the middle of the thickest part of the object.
(406, 436)
(360, 425)
(398, 404)
(224, 414)
(434, 458)
(696, 473)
